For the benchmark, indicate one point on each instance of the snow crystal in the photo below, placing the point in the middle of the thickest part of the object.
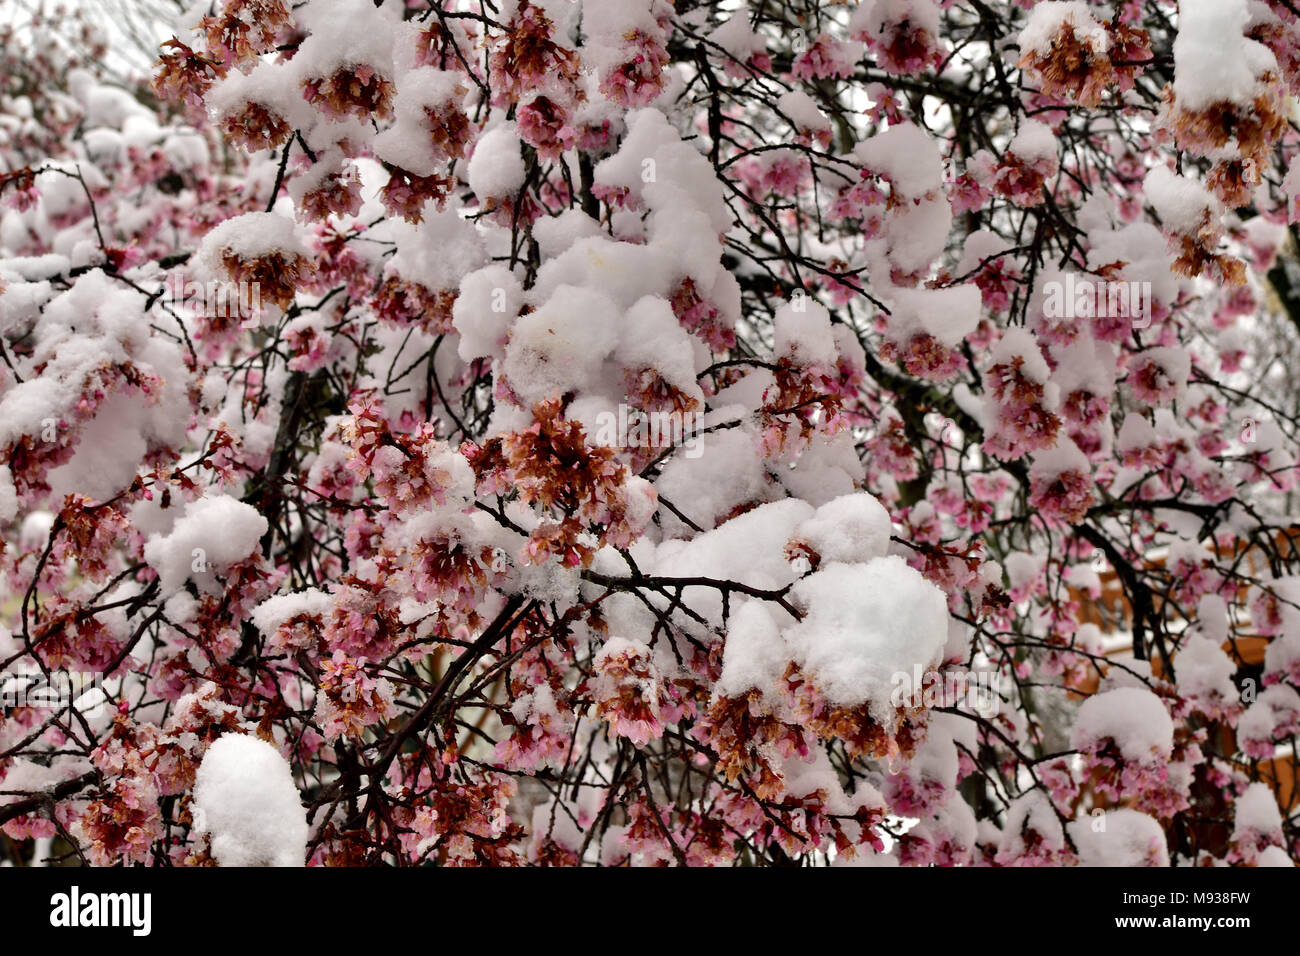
(802, 332)
(246, 802)
(213, 534)
(1133, 718)
(1213, 60)
(496, 170)
(249, 236)
(488, 302)
(1129, 838)
(905, 155)
(852, 528)
(755, 655)
(277, 609)
(1256, 810)
(866, 623)
(1064, 457)
(1034, 141)
(562, 345)
(1204, 671)
(1019, 342)
(948, 314)
(1047, 18)
(1181, 203)
(8, 496)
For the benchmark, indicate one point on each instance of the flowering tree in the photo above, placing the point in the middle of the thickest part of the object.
(634, 432)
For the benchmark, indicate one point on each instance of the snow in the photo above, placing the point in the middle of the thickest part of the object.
(1213, 61)
(1291, 186)
(851, 528)
(344, 34)
(1256, 811)
(249, 236)
(246, 802)
(864, 624)
(749, 549)
(1019, 342)
(561, 346)
(105, 105)
(1135, 434)
(1143, 250)
(653, 339)
(905, 155)
(1262, 717)
(1022, 568)
(948, 314)
(755, 655)
(619, 270)
(275, 610)
(1086, 364)
(1133, 718)
(438, 252)
(802, 332)
(214, 533)
(937, 760)
(812, 775)
(917, 232)
(803, 112)
(1273, 856)
(496, 170)
(407, 143)
(556, 234)
(608, 20)
(268, 85)
(1046, 19)
(1182, 204)
(873, 17)
(1204, 671)
(8, 496)
(1063, 457)
(712, 485)
(1212, 618)
(95, 323)
(736, 36)
(1033, 141)
(675, 178)
(34, 268)
(489, 300)
(1030, 813)
(1121, 837)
